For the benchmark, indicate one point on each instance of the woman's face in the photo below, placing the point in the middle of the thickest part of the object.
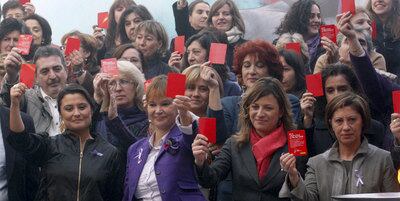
(315, 21)
(252, 70)
(124, 90)
(347, 125)
(222, 19)
(198, 94)
(36, 31)
(118, 12)
(76, 112)
(361, 21)
(265, 114)
(381, 7)
(336, 85)
(9, 41)
(147, 43)
(133, 56)
(131, 22)
(196, 53)
(289, 76)
(162, 112)
(344, 53)
(198, 18)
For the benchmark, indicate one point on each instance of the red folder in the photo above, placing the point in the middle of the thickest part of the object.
(297, 142)
(24, 43)
(109, 66)
(218, 53)
(71, 45)
(102, 20)
(208, 127)
(328, 31)
(314, 84)
(396, 101)
(179, 44)
(176, 84)
(27, 74)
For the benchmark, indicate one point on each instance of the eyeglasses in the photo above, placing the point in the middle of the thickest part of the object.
(121, 82)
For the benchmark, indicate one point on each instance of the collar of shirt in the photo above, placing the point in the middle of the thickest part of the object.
(158, 144)
(45, 96)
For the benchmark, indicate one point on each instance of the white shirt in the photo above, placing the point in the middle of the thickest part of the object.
(55, 123)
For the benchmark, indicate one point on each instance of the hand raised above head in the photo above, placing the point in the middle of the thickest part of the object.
(16, 93)
(12, 63)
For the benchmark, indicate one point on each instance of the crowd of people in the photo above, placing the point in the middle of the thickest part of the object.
(83, 134)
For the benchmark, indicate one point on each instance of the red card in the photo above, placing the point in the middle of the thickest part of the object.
(24, 43)
(102, 20)
(218, 53)
(27, 74)
(396, 101)
(208, 127)
(146, 84)
(176, 84)
(22, 2)
(72, 44)
(328, 31)
(297, 142)
(374, 32)
(348, 5)
(109, 66)
(314, 84)
(294, 46)
(180, 44)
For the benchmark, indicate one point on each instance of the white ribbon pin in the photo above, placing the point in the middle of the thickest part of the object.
(359, 178)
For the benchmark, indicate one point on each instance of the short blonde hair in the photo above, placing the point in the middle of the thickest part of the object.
(131, 72)
(157, 88)
(157, 29)
(293, 38)
(193, 74)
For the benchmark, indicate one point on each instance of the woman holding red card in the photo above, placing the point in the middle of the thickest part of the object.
(350, 166)
(160, 166)
(252, 156)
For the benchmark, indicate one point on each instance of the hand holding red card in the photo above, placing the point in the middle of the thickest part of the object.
(208, 128)
(102, 20)
(109, 66)
(179, 44)
(24, 43)
(329, 31)
(72, 44)
(348, 5)
(27, 74)
(396, 101)
(314, 84)
(176, 84)
(297, 142)
(296, 47)
(218, 53)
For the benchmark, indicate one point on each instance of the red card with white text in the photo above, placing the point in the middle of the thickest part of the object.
(348, 5)
(27, 74)
(296, 47)
(374, 32)
(71, 45)
(22, 2)
(396, 101)
(328, 31)
(297, 142)
(109, 66)
(218, 53)
(179, 44)
(176, 84)
(24, 43)
(208, 127)
(102, 20)
(146, 84)
(314, 84)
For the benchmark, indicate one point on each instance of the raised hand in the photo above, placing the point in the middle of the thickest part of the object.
(175, 60)
(183, 105)
(208, 75)
(29, 8)
(332, 50)
(12, 63)
(307, 103)
(112, 108)
(395, 126)
(288, 164)
(16, 93)
(100, 84)
(200, 149)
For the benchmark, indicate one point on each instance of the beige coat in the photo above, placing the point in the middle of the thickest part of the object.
(326, 175)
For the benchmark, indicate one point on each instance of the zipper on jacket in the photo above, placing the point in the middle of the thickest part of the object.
(81, 148)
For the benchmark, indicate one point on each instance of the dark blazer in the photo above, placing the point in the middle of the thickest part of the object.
(22, 178)
(242, 164)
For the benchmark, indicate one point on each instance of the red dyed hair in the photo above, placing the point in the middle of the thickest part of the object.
(264, 51)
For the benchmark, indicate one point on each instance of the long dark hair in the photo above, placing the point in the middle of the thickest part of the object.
(139, 10)
(296, 62)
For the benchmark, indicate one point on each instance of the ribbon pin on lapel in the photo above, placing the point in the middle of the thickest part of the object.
(139, 156)
(359, 178)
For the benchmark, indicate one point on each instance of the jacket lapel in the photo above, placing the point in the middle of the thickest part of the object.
(5, 131)
(172, 133)
(249, 162)
(274, 167)
(137, 164)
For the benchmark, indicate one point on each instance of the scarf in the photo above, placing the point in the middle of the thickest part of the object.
(234, 34)
(263, 148)
(313, 44)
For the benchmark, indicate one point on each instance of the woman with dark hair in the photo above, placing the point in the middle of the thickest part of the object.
(77, 164)
(197, 52)
(304, 17)
(112, 38)
(10, 29)
(127, 52)
(387, 16)
(350, 166)
(40, 29)
(336, 79)
(252, 154)
(152, 40)
(130, 18)
(293, 74)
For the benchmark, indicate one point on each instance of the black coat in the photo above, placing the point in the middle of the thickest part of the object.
(97, 169)
(22, 177)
